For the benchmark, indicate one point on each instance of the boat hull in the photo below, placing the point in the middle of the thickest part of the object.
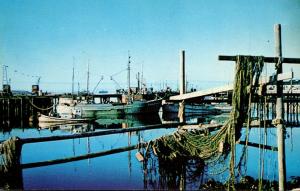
(142, 107)
(135, 108)
(98, 110)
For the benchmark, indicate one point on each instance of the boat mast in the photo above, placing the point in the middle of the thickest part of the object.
(73, 76)
(138, 82)
(78, 88)
(142, 78)
(128, 78)
(88, 77)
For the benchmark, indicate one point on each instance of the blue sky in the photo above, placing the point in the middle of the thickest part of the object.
(41, 37)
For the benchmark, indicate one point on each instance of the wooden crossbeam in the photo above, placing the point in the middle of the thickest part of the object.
(257, 145)
(266, 59)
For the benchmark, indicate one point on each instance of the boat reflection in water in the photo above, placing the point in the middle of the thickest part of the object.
(127, 121)
(72, 127)
(105, 122)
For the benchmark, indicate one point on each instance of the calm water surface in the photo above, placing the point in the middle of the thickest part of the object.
(124, 171)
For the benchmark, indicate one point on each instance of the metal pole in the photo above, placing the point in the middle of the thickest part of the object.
(138, 81)
(88, 77)
(128, 78)
(73, 76)
(279, 112)
(182, 72)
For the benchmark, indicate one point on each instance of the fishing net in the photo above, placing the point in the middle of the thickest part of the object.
(195, 143)
(10, 155)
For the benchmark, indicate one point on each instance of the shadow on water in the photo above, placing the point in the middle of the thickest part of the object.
(162, 173)
(12, 180)
(179, 173)
(184, 173)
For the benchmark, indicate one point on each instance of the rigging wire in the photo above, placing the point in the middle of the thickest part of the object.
(117, 73)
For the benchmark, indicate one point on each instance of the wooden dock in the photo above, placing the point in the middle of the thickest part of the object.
(20, 108)
(270, 90)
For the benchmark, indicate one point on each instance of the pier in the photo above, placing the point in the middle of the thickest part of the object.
(16, 109)
(258, 102)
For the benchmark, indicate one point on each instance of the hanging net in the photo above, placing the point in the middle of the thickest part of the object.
(195, 143)
(10, 154)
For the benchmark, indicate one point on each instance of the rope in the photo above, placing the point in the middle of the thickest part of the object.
(39, 108)
(35, 106)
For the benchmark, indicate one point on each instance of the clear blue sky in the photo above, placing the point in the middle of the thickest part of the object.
(40, 37)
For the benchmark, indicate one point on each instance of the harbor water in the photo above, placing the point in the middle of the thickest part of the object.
(122, 170)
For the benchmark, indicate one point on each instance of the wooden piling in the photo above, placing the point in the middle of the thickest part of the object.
(182, 72)
(181, 109)
(279, 112)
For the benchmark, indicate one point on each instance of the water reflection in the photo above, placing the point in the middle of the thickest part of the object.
(106, 122)
(128, 121)
(123, 171)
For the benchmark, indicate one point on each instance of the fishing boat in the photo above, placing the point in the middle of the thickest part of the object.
(117, 109)
(69, 107)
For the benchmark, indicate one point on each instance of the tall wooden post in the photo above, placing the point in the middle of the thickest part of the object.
(182, 72)
(21, 111)
(182, 86)
(278, 59)
(279, 112)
